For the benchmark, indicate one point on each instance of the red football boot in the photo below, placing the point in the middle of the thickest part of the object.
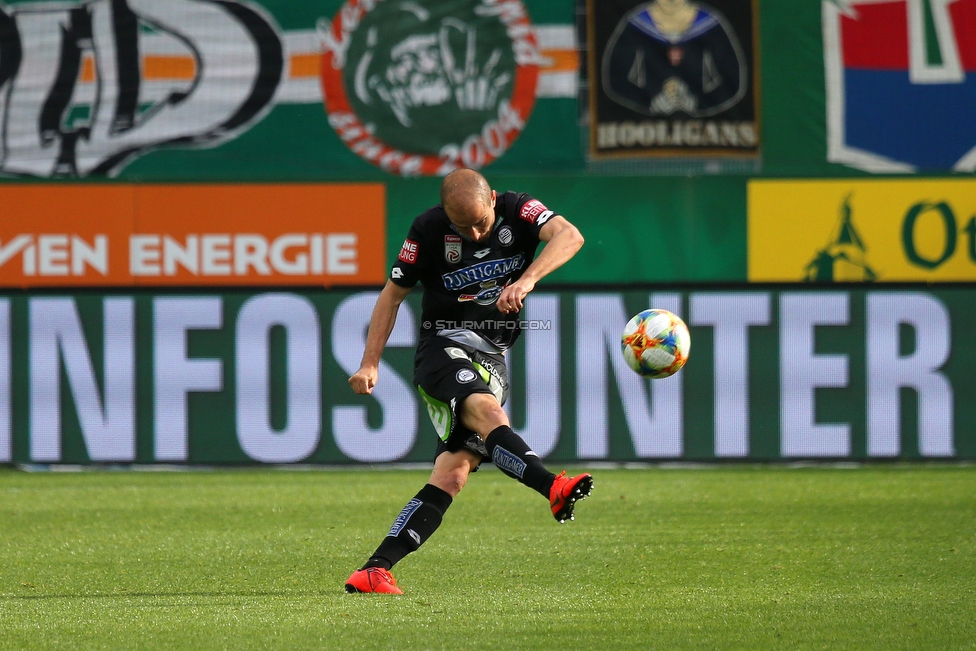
(372, 579)
(566, 491)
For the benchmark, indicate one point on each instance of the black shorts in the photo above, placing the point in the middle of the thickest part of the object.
(445, 373)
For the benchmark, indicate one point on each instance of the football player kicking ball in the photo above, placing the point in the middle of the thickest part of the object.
(474, 255)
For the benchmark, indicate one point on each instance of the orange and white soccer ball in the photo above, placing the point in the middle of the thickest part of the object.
(656, 343)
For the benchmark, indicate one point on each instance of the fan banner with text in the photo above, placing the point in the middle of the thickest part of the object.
(315, 90)
(673, 77)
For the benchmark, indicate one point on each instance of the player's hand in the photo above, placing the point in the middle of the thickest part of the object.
(510, 300)
(363, 380)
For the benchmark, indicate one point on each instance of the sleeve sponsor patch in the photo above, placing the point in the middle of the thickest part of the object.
(408, 252)
(531, 210)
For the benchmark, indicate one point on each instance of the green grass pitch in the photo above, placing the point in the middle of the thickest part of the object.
(737, 557)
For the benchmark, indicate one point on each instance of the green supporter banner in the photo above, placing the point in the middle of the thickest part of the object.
(244, 377)
(173, 90)
(214, 90)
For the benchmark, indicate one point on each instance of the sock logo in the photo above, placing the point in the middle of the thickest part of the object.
(416, 536)
(508, 462)
(401, 520)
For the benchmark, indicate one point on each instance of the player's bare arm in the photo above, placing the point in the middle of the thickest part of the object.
(380, 326)
(562, 240)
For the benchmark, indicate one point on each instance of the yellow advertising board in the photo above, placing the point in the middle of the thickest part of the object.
(887, 230)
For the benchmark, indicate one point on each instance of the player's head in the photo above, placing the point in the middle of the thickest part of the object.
(469, 203)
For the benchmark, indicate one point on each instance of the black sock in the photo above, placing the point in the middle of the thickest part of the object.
(514, 458)
(411, 529)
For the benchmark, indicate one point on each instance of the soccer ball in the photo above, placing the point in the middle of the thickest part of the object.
(656, 343)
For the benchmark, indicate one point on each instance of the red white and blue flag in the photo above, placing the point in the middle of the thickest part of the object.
(901, 84)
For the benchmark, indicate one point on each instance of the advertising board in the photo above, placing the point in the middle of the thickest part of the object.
(904, 230)
(243, 377)
(148, 235)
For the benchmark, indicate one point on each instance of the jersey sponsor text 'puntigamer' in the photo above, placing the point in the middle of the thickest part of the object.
(482, 271)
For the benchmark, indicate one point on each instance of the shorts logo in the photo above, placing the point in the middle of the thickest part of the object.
(508, 462)
(532, 210)
(396, 273)
(408, 252)
(452, 248)
(425, 88)
(456, 353)
(505, 236)
(465, 375)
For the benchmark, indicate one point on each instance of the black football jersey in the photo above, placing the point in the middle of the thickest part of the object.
(462, 279)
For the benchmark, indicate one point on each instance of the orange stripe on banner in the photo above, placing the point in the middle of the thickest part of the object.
(562, 60)
(87, 74)
(304, 65)
(157, 67)
(301, 66)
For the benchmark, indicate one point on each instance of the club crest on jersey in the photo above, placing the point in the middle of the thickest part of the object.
(452, 248)
(918, 56)
(483, 271)
(505, 237)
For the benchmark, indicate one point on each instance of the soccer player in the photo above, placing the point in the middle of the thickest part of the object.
(474, 255)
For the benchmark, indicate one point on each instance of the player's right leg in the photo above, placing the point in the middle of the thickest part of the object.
(513, 456)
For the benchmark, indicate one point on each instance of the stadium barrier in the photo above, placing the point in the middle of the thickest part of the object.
(776, 372)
